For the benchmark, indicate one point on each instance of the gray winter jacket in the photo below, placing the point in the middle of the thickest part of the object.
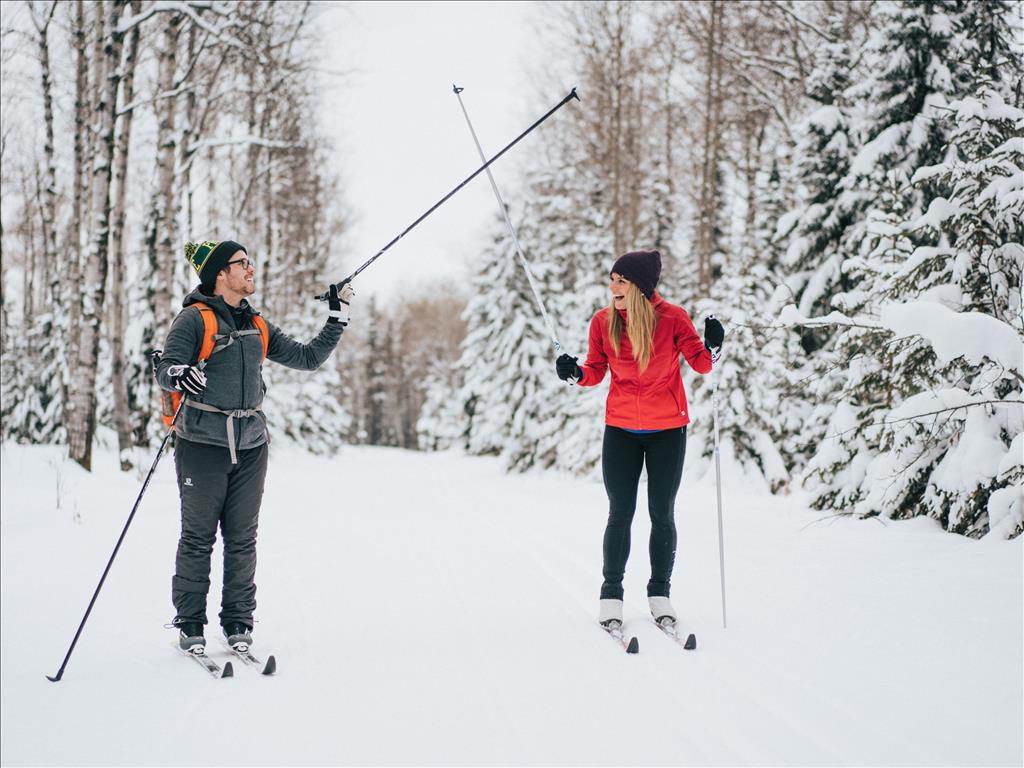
(234, 377)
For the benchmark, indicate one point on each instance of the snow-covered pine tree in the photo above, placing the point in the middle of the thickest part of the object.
(815, 231)
(977, 484)
(859, 393)
(916, 68)
(566, 223)
(815, 236)
(930, 421)
(751, 376)
(441, 424)
(507, 351)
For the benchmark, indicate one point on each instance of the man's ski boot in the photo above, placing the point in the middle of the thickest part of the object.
(662, 610)
(190, 637)
(238, 636)
(611, 613)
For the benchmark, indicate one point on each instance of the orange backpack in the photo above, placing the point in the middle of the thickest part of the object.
(170, 401)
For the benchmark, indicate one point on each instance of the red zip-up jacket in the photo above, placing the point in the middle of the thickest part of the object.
(654, 399)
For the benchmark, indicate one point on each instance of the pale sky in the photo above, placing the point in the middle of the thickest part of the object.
(401, 139)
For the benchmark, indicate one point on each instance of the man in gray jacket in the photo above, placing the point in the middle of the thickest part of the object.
(221, 448)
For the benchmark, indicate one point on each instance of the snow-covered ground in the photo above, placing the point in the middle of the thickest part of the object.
(429, 609)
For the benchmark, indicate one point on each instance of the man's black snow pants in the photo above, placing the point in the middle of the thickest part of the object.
(622, 459)
(216, 492)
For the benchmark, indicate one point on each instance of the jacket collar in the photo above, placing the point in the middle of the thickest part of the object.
(219, 306)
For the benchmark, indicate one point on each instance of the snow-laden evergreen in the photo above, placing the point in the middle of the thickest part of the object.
(567, 421)
(751, 376)
(931, 412)
(507, 359)
(815, 231)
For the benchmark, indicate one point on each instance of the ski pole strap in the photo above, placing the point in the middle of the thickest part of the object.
(232, 415)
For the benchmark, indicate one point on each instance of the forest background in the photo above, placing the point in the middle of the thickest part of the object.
(841, 183)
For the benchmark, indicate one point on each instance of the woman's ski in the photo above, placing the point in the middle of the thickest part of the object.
(669, 628)
(614, 628)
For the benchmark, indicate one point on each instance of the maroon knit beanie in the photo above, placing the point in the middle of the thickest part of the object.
(640, 267)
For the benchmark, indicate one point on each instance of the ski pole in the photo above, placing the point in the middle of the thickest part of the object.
(511, 230)
(572, 95)
(160, 452)
(718, 479)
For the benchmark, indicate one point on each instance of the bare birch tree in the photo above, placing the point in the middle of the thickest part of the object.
(93, 288)
(118, 309)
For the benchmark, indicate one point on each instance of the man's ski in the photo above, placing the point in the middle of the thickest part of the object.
(242, 652)
(669, 628)
(614, 628)
(211, 666)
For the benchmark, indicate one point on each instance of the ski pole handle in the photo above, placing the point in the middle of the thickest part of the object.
(327, 294)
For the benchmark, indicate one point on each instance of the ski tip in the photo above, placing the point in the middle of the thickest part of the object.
(270, 667)
(634, 646)
(691, 643)
(229, 671)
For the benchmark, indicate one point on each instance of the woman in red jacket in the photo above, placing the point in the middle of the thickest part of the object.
(641, 337)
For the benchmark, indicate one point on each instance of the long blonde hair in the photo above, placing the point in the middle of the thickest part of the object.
(640, 326)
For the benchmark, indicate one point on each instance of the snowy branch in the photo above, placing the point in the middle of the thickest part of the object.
(760, 62)
(790, 316)
(247, 141)
(191, 9)
(154, 99)
(42, 23)
(161, 6)
(770, 101)
(949, 409)
(784, 7)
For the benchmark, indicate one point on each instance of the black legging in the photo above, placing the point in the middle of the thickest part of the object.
(622, 459)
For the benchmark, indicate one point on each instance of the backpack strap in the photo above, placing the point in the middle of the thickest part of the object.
(209, 330)
(264, 333)
(214, 342)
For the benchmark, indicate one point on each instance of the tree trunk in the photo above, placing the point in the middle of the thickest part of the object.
(159, 224)
(717, 101)
(49, 197)
(188, 136)
(706, 215)
(122, 413)
(93, 288)
(160, 232)
(29, 274)
(73, 251)
(618, 236)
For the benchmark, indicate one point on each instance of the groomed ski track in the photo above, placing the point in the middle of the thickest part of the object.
(460, 604)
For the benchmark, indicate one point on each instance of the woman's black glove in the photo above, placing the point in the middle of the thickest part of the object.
(567, 368)
(714, 334)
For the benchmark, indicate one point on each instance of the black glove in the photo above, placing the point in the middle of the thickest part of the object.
(187, 378)
(338, 303)
(567, 368)
(714, 334)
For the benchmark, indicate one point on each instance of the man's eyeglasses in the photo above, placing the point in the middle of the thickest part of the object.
(246, 263)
